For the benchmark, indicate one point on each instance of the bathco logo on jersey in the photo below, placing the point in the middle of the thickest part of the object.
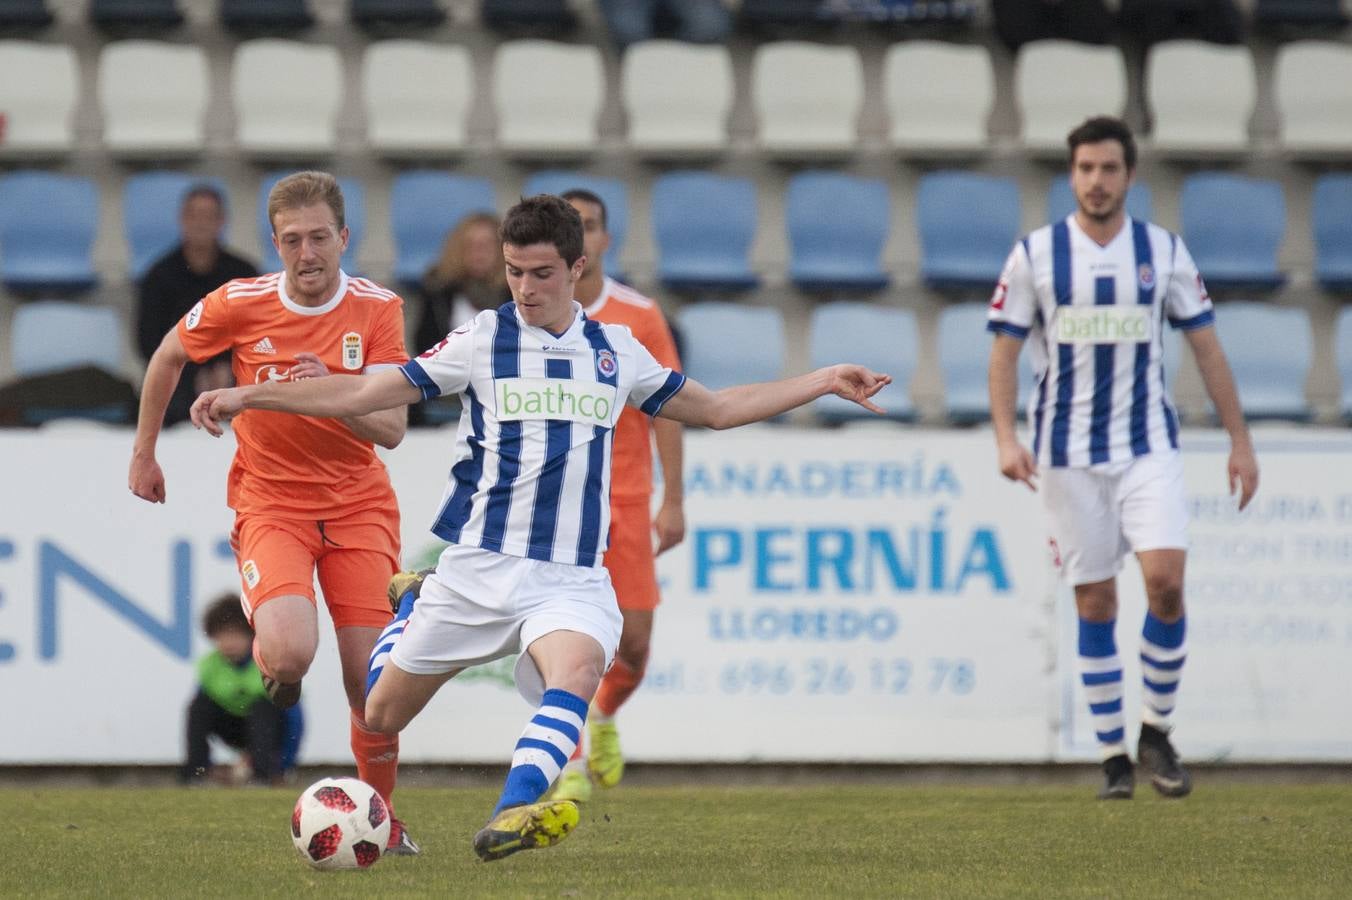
(1103, 324)
(587, 403)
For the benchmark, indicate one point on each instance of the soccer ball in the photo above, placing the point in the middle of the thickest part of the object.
(340, 823)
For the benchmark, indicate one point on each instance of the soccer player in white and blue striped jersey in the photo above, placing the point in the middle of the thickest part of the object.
(1091, 294)
(526, 509)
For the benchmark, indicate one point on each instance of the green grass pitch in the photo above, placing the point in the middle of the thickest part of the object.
(817, 840)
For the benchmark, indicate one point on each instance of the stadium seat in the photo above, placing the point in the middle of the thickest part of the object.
(548, 97)
(677, 97)
(287, 96)
(383, 13)
(727, 344)
(1342, 351)
(755, 15)
(354, 211)
(1234, 226)
(1331, 215)
(424, 206)
(417, 96)
(967, 224)
(47, 227)
(265, 15)
(39, 85)
(1201, 96)
(883, 338)
(612, 192)
(545, 17)
(1052, 103)
(25, 15)
(1061, 200)
(51, 335)
(1300, 14)
(807, 98)
(1312, 86)
(938, 96)
(837, 227)
(704, 225)
(153, 95)
(964, 360)
(151, 202)
(129, 15)
(1270, 349)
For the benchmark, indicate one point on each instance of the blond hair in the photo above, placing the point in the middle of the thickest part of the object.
(450, 265)
(303, 189)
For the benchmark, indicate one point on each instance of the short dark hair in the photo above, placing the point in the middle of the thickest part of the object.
(205, 189)
(545, 219)
(1103, 128)
(591, 197)
(225, 613)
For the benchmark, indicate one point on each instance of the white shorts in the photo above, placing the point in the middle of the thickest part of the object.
(480, 606)
(1099, 514)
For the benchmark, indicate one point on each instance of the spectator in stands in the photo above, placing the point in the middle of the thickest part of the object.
(698, 21)
(184, 275)
(468, 277)
(231, 701)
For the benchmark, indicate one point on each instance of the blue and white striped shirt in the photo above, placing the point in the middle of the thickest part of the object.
(531, 476)
(1096, 315)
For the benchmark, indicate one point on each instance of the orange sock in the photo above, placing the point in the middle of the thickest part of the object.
(620, 682)
(377, 758)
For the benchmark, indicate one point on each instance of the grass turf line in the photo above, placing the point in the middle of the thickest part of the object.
(1227, 840)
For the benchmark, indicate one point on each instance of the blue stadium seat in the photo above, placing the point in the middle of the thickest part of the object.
(24, 14)
(1342, 351)
(150, 209)
(728, 344)
(380, 13)
(1331, 212)
(964, 359)
(424, 206)
(1061, 200)
(612, 192)
(880, 337)
(967, 222)
(354, 211)
(1270, 349)
(704, 225)
(135, 14)
(51, 335)
(837, 227)
(265, 15)
(1234, 225)
(47, 227)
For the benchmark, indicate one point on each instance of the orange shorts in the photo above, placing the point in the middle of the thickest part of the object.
(629, 558)
(355, 555)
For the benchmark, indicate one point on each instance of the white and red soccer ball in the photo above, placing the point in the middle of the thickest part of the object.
(340, 823)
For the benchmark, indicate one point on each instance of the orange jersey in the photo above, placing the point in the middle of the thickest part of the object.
(631, 459)
(287, 465)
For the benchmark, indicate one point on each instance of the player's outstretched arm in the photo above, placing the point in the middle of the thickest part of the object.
(385, 427)
(144, 476)
(1242, 467)
(695, 404)
(334, 397)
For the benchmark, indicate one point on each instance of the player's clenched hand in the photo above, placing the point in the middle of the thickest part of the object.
(145, 478)
(858, 384)
(669, 526)
(1243, 469)
(209, 410)
(308, 366)
(1017, 464)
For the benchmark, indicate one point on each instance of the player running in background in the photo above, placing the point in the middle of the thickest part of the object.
(525, 512)
(1094, 292)
(309, 495)
(630, 556)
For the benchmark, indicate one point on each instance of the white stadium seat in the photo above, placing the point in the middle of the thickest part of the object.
(417, 96)
(38, 90)
(938, 96)
(153, 96)
(1312, 86)
(1201, 96)
(287, 95)
(548, 97)
(1059, 84)
(807, 98)
(677, 97)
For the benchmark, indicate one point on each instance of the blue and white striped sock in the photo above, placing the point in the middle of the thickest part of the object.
(544, 748)
(1101, 672)
(1162, 656)
(388, 638)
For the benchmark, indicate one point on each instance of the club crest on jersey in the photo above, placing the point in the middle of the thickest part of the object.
(249, 569)
(605, 363)
(194, 316)
(352, 355)
(1145, 273)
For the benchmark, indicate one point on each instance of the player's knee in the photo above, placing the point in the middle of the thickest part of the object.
(381, 718)
(634, 653)
(1165, 593)
(288, 664)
